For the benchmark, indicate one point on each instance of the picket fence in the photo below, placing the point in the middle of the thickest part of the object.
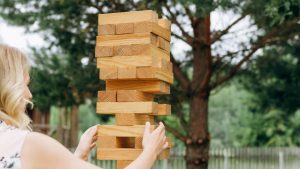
(229, 158)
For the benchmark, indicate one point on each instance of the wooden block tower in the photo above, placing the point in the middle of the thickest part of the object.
(133, 55)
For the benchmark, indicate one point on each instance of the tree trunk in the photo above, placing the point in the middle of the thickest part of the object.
(197, 144)
(59, 130)
(74, 126)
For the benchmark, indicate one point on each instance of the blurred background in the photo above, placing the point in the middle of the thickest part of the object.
(236, 96)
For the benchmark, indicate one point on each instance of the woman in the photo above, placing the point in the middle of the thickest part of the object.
(21, 148)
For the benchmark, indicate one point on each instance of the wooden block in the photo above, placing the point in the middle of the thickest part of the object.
(163, 44)
(125, 142)
(125, 154)
(125, 61)
(108, 73)
(123, 164)
(104, 51)
(152, 73)
(108, 29)
(153, 39)
(164, 155)
(133, 96)
(122, 131)
(126, 107)
(142, 27)
(126, 39)
(154, 87)
(133, 119)
(151, 50)
(127, 72)
(124, 28)
(123, 50)
(127, 17)
(107, 142)
(115, 142)
(165, 23)
(139, 142)
(118, 153)
(107, 96)
(163, 109)
(167, 66)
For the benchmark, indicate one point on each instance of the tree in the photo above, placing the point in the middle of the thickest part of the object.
(207, 66)
(277, 95)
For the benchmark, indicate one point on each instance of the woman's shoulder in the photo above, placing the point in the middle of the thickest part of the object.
(11, 138)
(42, 151)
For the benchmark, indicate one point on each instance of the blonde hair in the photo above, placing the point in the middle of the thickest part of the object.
(13, 66)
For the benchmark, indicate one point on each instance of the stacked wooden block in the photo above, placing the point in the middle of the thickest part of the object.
(133, 55)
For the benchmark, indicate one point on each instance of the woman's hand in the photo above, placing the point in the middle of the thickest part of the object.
(154, 142)
(87, 143)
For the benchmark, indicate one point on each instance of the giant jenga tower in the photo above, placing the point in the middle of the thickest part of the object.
(133, 54)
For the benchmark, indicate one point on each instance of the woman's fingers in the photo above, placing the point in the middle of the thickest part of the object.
(165, 146)
(92, 145)
(159, 129)
(95, 137)
(147, 128)
(93, 130)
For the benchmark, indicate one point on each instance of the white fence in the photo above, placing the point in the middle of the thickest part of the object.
(230, 158)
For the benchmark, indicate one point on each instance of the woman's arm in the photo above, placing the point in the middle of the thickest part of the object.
(153, 143)
(42, 152)
(87, 143)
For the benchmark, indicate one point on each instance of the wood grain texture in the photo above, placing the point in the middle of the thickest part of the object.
(152, 73)
(165, 23)
(123, 50)
(107, 142)
(142, 27)
(124, 28)
(163, 109)
(129, 119)
(126, 39)
(109, 29)
(121, 164)
(154, 87)
(103, 51)
(133, 96)
(150, 49)
(107, 96)
(129, 72)
(125, 61)
(108, 73)
(163, 44)
(125, 154)
(127, 17)
(122, 131)
(136, 73)
(126, 107)
(138, 143)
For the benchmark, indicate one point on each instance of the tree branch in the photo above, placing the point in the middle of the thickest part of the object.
(173, 19)
(180, 115)
(268, 39)
(180, 38)
(184, 82)
(219, 35)
(175, 132)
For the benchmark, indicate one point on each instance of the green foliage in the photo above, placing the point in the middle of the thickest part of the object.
(278, 75)
(275, 82)
(228, 114)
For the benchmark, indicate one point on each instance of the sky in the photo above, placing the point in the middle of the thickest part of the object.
(16, 37)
